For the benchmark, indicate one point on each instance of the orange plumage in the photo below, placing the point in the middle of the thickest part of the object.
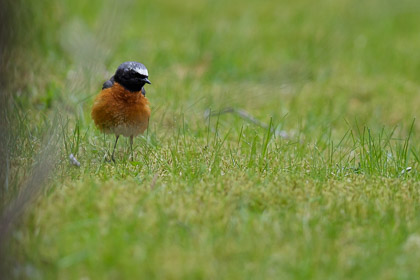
(119, 111)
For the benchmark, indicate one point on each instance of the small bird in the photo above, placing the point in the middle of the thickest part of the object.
(121, 108)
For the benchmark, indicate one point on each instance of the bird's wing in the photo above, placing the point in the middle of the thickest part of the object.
(108, 83)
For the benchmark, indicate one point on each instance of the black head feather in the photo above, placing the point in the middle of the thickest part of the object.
(131, 75)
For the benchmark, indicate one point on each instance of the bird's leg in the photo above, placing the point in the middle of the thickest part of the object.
(104, 144)
(131, 147)
(115, 145)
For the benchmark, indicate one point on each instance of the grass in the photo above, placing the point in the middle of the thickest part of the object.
(321, 190)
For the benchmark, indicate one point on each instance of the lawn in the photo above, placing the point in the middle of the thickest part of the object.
(283, 141)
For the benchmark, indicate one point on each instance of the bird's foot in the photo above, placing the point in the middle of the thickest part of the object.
(107, 158)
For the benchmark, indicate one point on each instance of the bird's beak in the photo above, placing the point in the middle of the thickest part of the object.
(146, 80)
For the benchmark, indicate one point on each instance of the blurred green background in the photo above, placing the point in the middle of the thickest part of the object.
(270, 57)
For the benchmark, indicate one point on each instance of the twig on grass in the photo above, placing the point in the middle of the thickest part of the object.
(247, 117)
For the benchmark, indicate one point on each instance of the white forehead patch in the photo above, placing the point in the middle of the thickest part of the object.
(141, 71)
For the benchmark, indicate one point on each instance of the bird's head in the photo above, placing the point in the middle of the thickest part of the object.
(132, 75)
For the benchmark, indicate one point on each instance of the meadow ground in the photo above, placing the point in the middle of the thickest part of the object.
(325, 187)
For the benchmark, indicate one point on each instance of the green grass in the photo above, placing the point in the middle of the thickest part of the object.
(221, 197)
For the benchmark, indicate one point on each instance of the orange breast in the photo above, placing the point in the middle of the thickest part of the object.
(121, 112)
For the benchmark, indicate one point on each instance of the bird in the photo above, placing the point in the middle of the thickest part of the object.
(121, 107)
